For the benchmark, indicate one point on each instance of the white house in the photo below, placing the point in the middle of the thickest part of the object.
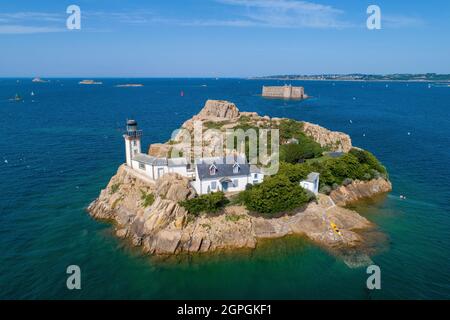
(227, 174)
(311, 182)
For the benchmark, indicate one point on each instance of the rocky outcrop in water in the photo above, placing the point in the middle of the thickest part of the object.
(164, 227)
(148, 212)
(358, 190)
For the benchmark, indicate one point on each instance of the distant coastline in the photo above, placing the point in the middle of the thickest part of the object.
(129, 85)
(427, 77)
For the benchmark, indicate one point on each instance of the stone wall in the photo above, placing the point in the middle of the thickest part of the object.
(285, 92)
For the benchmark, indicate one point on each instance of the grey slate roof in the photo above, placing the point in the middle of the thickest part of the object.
(173, 162)
(223, 169)
(154, 161)
(145, 158)
(230, 159)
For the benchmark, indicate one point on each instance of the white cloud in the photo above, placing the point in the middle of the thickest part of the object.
(399, 21)
(21, 29)
(246, 13)
(288, 13)
(31, 22)
(29, 16)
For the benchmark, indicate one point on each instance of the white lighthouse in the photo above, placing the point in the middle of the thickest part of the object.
(132, 141)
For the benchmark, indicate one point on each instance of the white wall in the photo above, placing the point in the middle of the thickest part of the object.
(201, 187)
(179, 169)
(259, 178)
(309, 186)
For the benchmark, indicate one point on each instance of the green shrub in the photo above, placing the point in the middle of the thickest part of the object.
(276, 194)
(355, 165)
(325, 189)
(295, 173)
(305, 149)
(233, 217)
(214, 124)
(114, 188)
(347, 181)
(147, 199)
(290, 129)
(365, 157)
(209, 203)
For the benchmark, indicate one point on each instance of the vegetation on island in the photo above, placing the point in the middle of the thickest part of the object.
(207, 203)
(114, 188)
(356, 165)
(299, 156)
(274, 195)
(147, 199)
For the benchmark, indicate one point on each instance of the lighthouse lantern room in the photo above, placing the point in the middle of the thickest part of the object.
(132, 141)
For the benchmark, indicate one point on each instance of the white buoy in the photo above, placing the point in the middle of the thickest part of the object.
(364, 134)
(409, 133)
(6, 161)
(351, 121)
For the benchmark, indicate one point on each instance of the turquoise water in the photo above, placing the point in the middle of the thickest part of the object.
(58, 151)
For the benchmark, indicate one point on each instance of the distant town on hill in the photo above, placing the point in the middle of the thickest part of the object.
(364, 77)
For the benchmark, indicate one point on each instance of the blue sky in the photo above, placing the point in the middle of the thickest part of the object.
(222, 38)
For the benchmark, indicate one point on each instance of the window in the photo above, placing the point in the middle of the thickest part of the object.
(236, 168)
(255, 181)
(134, 143)
(141, 165)
(212, 169)
(160, 172)
(235, 183)
(255, 176)
(213, 185)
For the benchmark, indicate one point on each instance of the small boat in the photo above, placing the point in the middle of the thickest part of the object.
(89, 82)
(16, 98)
(39, 80)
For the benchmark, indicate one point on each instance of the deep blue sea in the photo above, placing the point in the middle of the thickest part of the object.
(60, 147)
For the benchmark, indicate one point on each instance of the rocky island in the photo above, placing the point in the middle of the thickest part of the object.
(167, 215)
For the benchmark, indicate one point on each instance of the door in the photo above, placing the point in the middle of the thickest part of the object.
(224, 186)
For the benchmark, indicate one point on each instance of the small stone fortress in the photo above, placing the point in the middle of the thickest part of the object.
(284, 92)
